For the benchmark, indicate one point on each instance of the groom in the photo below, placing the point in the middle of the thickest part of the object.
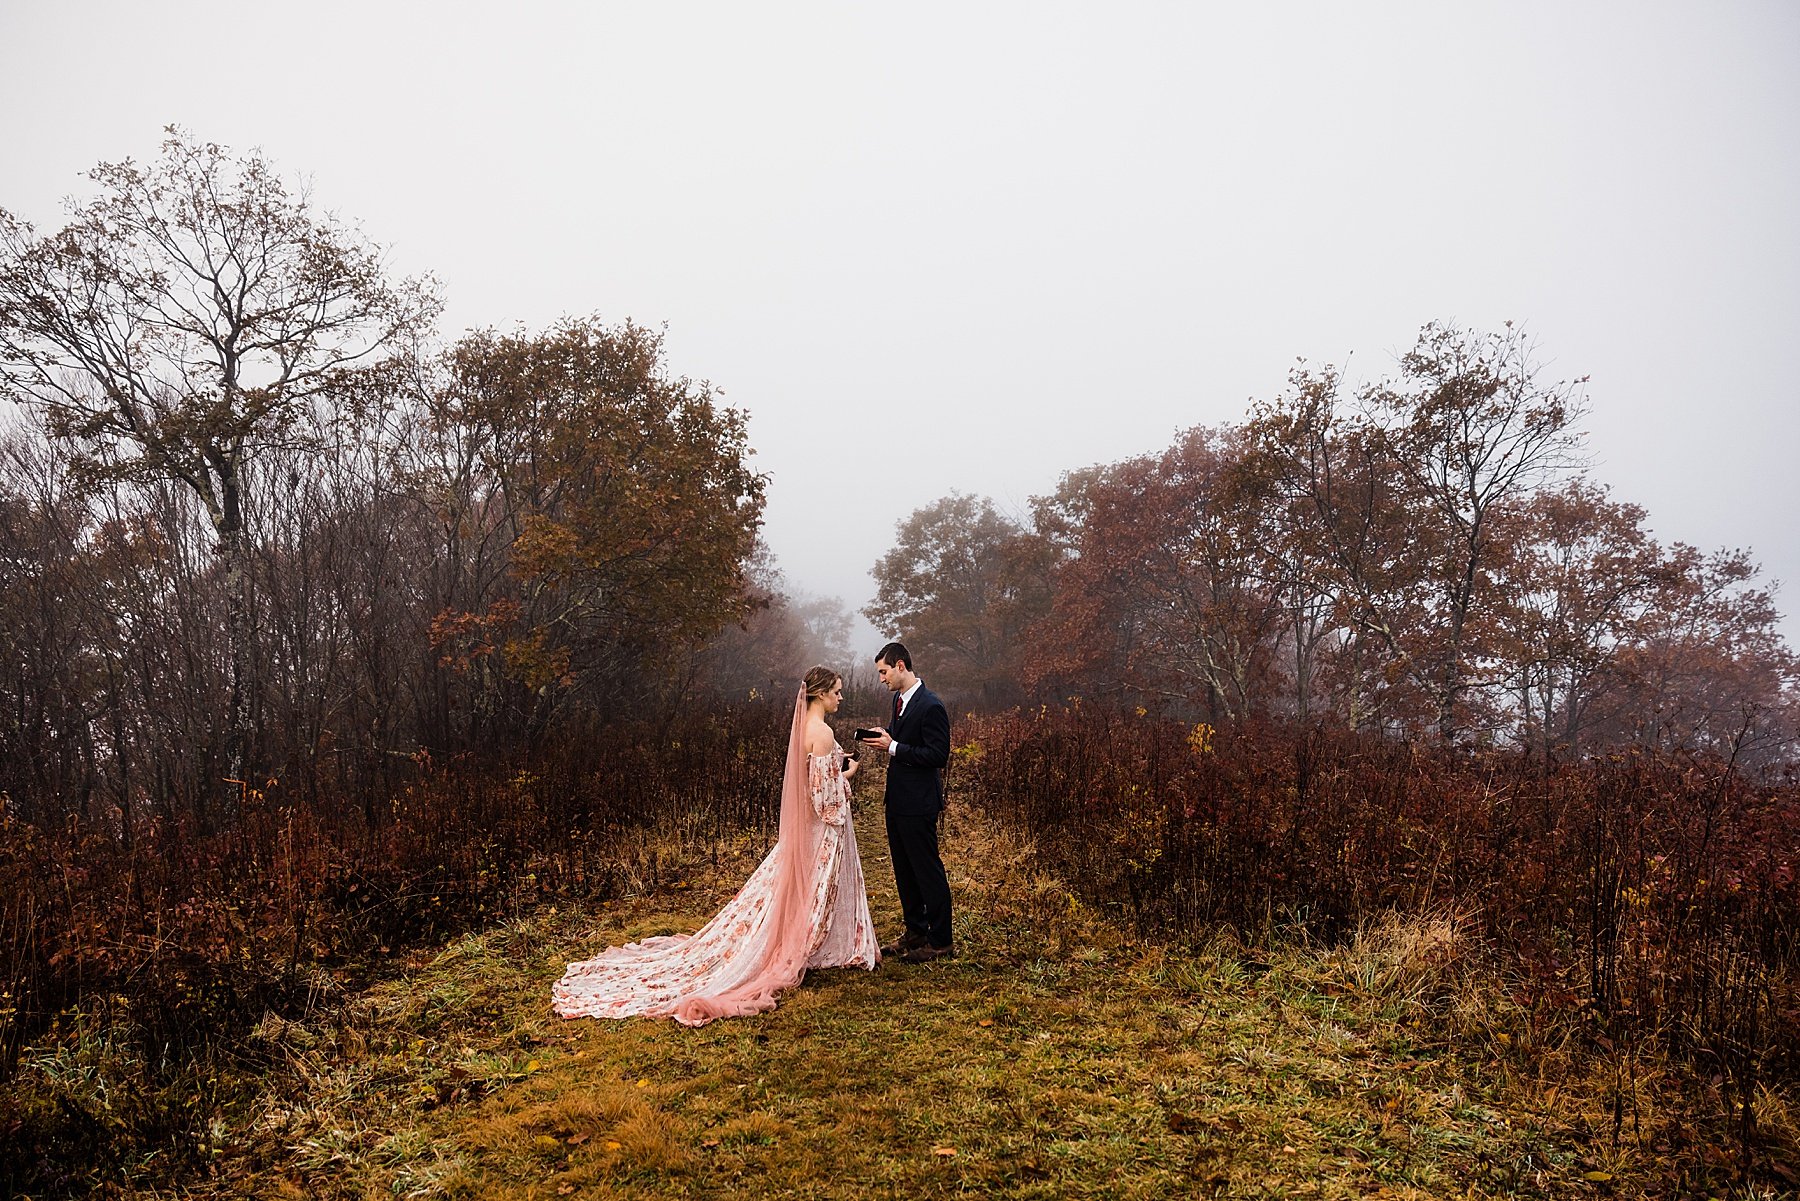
(918, 743)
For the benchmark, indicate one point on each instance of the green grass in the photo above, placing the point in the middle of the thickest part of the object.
(1055, 1057)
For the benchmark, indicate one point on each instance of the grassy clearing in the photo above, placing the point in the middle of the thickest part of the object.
(1053, 1058)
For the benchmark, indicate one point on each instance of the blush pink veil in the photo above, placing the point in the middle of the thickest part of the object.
(754, 948)
(777, 959)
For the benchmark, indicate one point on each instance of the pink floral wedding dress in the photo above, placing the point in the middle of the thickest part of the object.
(804, 907)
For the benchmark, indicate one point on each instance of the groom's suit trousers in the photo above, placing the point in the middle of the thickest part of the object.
(919, 875)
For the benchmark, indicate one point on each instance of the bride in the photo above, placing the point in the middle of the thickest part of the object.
(803, 907)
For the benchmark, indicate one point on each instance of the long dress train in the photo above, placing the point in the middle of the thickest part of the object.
(805, 906)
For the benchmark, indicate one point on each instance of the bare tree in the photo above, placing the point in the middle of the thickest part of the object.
(179, 323)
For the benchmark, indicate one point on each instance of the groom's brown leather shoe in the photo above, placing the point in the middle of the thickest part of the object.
(925, 953)
(906, 942)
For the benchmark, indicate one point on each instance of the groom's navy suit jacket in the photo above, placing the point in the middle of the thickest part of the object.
(915, 782)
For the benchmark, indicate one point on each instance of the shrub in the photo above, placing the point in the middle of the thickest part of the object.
(1647, 899)
(133, 961)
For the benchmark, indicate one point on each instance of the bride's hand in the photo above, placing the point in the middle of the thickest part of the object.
(850, 772)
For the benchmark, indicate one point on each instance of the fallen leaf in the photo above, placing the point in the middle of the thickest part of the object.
(613, 1144)
(1597, 1177)
(563, 1190)
(643, 1084)
(533, 1065)
(545, 1142)
(575, 1140)
(945, 1152)
(985, 1022)
(710, 1143)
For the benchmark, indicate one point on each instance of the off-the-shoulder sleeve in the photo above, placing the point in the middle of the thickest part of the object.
(830, 791)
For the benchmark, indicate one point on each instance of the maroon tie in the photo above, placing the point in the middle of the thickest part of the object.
(896, 707)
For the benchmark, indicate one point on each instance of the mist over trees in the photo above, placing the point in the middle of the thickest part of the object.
(258, 529)
(257, 524)
(180, 324)
(1426, 555)
(963, 582)
(323, 638)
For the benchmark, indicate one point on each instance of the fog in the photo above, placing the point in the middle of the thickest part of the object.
(970, 247)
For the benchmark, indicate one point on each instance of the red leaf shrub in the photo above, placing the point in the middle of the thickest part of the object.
(1653, 892)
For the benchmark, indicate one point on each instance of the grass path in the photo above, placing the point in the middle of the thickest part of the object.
(1053, 1058)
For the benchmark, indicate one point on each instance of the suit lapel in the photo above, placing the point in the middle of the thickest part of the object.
(909, 717)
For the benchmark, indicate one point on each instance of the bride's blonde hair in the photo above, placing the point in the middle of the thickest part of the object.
(819, 681)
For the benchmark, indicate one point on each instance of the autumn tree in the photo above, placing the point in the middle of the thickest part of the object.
(960, 587)
(623, 500)
(825, 626)
(764, 648)
(1576, 578)
(1610, 638)
(346, 557)
(108, 676)
(1089, 636)
(178, 325)
(1165, 592)
(1708, 667)
(1423, 552)
(1475, 430)
(1297, 574)
(1405, 490)
(1350, 530)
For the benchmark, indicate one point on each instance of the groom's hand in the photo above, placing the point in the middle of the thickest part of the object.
(882, 739)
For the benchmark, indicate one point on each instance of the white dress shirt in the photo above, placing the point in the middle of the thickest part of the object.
(905, 700)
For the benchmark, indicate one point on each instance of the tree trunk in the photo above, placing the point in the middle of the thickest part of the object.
(239, 735)
(1571, 716)
(1302, 677)
(1461, 603)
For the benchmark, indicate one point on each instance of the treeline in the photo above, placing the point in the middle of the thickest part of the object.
(259, 530)
(1425, 553)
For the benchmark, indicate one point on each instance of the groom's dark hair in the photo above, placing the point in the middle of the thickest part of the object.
(895, 655)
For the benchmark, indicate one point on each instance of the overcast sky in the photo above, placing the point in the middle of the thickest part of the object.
(971, 246)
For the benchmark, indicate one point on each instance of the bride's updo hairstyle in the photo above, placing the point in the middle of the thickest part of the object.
(819, 681)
